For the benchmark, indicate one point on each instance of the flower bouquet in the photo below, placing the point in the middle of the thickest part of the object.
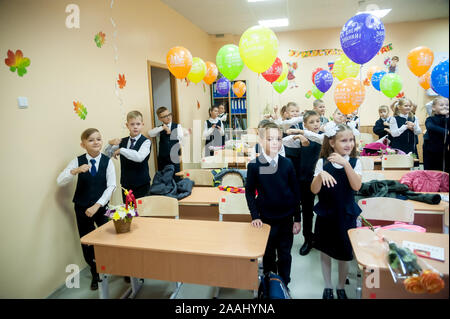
(123, 214)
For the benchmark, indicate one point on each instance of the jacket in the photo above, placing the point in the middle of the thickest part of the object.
(164, 184)
(426, 181)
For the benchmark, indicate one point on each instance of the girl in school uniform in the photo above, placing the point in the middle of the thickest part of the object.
(381, 127)
(213, 132)
(404, 126)
(436, 139)
(336, 178)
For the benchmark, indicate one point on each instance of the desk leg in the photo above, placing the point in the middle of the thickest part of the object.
(216, 292)
(177, 290)
(104, 287)
(260, 277)
(131, 292)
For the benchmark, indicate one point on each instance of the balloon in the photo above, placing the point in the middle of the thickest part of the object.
(323, 81)
(223, 86)
(239, 88)
(391, 84)
(229, 61)
(419, 60)
(179, 61)
(280, 86)
(376, 78)
(372, 70)
(362, 37)
(316, 93)
(283, 73)
(211, 73)
(314, 74)
(345, 68)
(349, 95)
(274, 72)
(198, 70)
(439, 78)
(425, 80)
(258, 47)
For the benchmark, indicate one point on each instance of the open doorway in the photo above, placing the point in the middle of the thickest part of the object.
(162, 92)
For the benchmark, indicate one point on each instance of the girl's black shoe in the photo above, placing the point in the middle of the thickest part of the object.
(341, 294)
(328, 293)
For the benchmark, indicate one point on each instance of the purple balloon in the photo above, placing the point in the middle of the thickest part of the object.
(362, 37)
(223, 86)
(376, 79)
(323, 81)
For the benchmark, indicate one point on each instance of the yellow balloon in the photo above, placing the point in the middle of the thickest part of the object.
(198, 70)
(345, 68)
(284, 73)
(258, 48)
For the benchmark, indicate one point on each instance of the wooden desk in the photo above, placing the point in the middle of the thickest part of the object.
(371, 255)
(220, 254)
(377, 162)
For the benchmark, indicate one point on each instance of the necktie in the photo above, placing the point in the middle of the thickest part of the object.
(93, 169)
(272, 163)
(132, 142)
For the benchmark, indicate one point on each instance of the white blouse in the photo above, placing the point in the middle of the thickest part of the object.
(319, 166)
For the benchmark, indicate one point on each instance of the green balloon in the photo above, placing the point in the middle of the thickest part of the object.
(229, 61)
(317, 93)
(391, 84)
(280, 86)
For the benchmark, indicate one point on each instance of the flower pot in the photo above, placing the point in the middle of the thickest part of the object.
(122, 226)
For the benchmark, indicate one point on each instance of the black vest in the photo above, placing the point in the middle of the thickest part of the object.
(134, 174)
(309, 156)
(215, 139)
(90, 188)
(291, 151)
(168, 141)
(407, 140)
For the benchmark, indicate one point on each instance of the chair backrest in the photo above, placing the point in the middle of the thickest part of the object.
(397, 161)
(232, 179)
(367, 163)
(368, 176)
(157, 206)
(211, 162)
(387, 209)
(234, 204)
(365, 138)
(201, 177)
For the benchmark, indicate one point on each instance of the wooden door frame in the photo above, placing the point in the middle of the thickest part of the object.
(174, 99)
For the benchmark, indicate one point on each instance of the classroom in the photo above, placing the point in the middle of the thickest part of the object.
(207, 129)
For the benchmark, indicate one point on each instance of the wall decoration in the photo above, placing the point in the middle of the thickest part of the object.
(80, 110)
(121, 81)
(100, 39)
(291, 76)
(16, 61)
(326, 52)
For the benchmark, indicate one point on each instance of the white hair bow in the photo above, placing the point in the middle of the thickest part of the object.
(330, 129)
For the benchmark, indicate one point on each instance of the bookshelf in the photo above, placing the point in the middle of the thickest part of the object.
(235, 107)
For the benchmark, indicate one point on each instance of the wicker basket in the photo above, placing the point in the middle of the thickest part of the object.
(122, 226)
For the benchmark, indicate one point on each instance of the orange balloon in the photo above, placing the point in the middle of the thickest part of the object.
(211, 73)
(372, 70)
(419, 60)
(424, 80)
(179, 61)
(239, 88)
(349, 95)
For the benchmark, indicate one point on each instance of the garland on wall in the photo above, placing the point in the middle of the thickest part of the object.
(326, 52)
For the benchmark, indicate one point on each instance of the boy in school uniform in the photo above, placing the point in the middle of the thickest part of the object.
(278, 201)
(381, 127)
(95, 185)
(134, 151)
(213, 131)
(319, 107)
(170, 136)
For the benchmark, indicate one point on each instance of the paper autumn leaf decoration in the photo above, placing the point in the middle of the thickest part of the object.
(100, 39)
(17, 62)
(400, 95)
(80, 110)
(198, 105)
(367, 82)
(308, 94)
(121, 81)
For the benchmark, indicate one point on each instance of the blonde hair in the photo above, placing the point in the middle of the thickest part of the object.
(266, 126)
(291, 104)
(435, 101)
(283, 110)
(327, 150)
(317, 102)
(134, 115)
(401, 102)
(88, 132)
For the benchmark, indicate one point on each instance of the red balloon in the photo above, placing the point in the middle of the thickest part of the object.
(314, 74)
(274, 72)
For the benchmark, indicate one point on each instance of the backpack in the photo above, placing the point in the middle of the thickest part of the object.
(272, 287)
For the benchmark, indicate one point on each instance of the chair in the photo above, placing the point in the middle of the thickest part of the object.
(232, 179)
(367, 163)
(232, 204)
(387, 209)
(201, 177)
(397, 161)
(158, 206)
(365, 138)
(368, 176)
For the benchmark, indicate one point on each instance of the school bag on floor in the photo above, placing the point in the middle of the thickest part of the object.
(273, 287)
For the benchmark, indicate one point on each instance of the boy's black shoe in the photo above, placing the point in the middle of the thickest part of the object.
(306, 248)
(94, 282)
(328, 293)
(341, 294)
(127, 279)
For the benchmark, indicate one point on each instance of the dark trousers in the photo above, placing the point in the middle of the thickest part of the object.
(138, 192)
(307, 202)
(277, 257)
(436, 161)
(164, 161)
(85, 226)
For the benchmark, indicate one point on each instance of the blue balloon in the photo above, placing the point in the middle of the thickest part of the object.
(323, 80)
(439, 78)
(223, 86)
(362, 37)
(376, 79)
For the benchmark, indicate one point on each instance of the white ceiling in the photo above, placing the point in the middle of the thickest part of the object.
(235, 16)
